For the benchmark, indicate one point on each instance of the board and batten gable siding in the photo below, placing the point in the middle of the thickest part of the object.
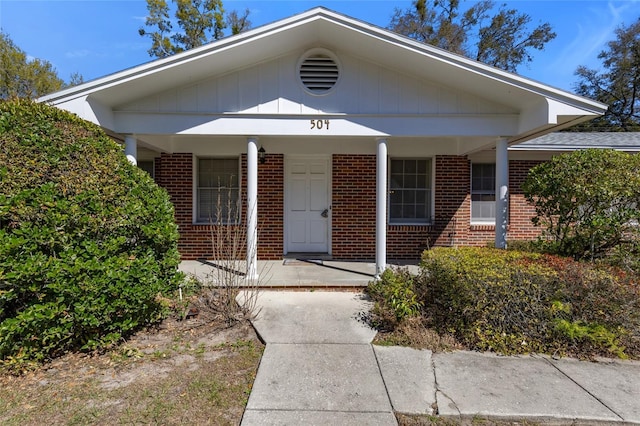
(274, 88)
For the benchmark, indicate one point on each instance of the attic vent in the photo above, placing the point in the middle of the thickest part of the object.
(319, 72)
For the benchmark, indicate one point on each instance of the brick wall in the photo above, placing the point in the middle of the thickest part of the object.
(353, 215)
(174, 172)
(451, 210)
(520, 212)
(452, 201)
(353, 208)
(270, 206)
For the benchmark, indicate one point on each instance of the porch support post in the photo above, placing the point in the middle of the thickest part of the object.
(381, 207)
(131, 149)
(502, 193)
(252, 208)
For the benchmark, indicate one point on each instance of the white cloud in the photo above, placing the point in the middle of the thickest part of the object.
(81, 53)
(594, 28)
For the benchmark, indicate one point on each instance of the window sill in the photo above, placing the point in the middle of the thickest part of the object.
(214, 224)
(483, 226)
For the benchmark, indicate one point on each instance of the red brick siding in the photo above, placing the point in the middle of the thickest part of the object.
(270, 206)
(451, 209)
(520, 212)
(452, 201)
(174, 172)
(353, 215)
(406, 242)
(353, 208)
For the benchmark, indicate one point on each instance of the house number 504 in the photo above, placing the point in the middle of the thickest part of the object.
(319, 124)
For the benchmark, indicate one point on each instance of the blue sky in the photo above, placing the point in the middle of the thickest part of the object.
(99, 37)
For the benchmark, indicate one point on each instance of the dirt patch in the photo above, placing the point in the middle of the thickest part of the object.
(195, 371)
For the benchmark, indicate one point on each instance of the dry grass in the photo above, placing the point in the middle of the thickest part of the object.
(186, 372)
(414, 333)
(424, 420)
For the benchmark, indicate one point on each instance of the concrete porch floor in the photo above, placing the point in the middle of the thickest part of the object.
(290, 273)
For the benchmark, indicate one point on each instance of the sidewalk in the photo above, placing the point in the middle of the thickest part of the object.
(319, 367)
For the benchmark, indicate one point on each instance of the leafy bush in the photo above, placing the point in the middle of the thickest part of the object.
(87, 240)
(394, 297)
(587, 202)
(516, 302)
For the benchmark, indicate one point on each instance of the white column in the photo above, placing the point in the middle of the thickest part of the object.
(502, 193)
(252, 208)
(381, 207)
(131, 149)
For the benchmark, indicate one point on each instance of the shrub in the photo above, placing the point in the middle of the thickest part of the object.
(587, 201)
(516, 302)
(394, 297)
(87, 240)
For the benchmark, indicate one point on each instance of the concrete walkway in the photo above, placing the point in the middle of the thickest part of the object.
(319, 367)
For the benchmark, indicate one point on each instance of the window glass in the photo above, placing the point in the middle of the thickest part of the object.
(483, 193)
(410, 191)
(218, 190)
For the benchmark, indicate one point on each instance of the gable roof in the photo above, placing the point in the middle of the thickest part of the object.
(541, 106)
(561, 141)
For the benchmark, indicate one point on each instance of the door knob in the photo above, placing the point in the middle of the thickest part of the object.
(325, 213)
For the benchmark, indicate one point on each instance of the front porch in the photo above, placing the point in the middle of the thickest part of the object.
(295, 273)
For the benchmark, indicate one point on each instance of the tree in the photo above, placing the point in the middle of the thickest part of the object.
(200, 22)
(21, 77)
(502, 40)
(586, 201)
(76, 79)
(618, 85)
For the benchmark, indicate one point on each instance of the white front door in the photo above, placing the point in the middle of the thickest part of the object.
(307, 204)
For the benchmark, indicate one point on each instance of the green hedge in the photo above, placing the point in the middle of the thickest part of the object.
(88, 241)
(511, 302)
(516, 302)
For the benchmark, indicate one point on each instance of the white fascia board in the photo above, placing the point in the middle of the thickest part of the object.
(300, 125)
(556, 148)
(90, 110)
(536, 116)
(162, 64)
(548, 112)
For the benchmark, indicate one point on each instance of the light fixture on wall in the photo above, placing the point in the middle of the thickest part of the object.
(262, 155)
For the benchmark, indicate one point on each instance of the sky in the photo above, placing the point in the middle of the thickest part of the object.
(98, 37)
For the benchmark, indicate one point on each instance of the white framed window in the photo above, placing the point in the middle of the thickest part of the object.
(218, 190)
(483, 193)
(410, 191)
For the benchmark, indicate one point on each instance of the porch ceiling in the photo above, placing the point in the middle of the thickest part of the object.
(203, 145)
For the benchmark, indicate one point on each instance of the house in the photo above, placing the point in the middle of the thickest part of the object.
(339, 138)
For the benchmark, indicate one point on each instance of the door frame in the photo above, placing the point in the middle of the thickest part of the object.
(287, 165)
